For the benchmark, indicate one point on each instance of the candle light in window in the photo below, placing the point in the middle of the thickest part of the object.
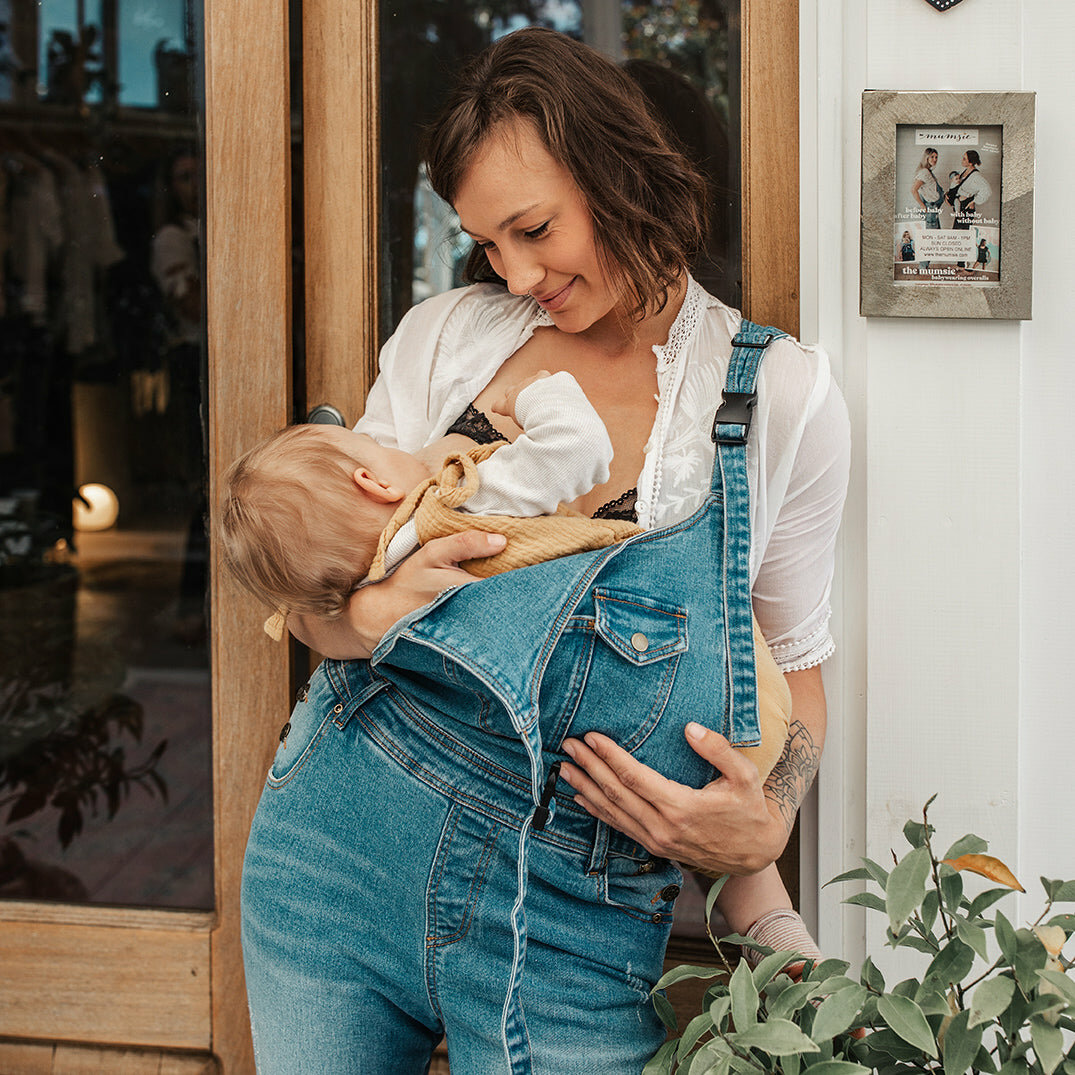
(95, 508)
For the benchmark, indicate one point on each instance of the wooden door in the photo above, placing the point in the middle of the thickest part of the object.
(127, 990)
(118, 989)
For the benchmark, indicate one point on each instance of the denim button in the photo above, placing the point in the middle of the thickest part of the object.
(640, 642)
(669, 893)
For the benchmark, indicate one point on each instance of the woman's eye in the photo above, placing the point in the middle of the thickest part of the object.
(490, 245)
(538, 232)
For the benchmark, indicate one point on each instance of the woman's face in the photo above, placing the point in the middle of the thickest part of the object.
(525, 210)
(931, 159)
(966, 163)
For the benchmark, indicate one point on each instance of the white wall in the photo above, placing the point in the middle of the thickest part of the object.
(956, 590)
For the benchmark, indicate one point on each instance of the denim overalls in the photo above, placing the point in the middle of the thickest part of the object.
(413, 870)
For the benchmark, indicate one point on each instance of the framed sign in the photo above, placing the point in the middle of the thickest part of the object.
(947, 204)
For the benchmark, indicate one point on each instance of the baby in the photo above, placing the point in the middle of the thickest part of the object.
(314, 512)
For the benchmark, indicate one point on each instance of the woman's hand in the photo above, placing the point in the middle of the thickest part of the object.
(734, 824)
(372, 610)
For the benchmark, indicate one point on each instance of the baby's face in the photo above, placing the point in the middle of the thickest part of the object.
(389, 465)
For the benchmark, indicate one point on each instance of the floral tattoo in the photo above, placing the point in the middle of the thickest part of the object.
(793, 774)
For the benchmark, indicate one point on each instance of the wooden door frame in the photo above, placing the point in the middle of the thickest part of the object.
(129, 990)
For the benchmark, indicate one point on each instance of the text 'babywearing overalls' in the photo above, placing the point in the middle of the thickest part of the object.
(430, 772)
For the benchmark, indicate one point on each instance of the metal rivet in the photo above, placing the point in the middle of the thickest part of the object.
(657, 919)
(640, 642)
(284, 733)
(669, 893)
(338, 707)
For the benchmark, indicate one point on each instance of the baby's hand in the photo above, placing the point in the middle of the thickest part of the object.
(505, 405)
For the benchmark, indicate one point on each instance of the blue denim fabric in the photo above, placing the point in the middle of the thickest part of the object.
(400, 882)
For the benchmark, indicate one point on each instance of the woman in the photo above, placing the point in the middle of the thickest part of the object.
(415, 868)
(927, 192)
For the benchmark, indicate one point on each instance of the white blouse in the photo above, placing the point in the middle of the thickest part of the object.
(447, 349)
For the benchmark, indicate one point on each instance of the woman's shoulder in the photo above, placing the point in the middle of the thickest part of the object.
(794, 376)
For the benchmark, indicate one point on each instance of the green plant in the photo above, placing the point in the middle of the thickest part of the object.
(997, 1004)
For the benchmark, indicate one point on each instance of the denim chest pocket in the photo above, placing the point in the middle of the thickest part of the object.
(616, 669)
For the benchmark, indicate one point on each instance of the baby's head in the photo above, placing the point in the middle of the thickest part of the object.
(302, 513)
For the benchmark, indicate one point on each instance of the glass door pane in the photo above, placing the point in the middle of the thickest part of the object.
(105, 775)
(684, 54)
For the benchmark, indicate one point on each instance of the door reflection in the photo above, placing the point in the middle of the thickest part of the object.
(105, 717)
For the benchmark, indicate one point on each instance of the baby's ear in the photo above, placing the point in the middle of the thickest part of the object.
(376, 489)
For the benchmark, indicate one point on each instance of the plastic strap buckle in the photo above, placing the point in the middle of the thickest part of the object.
(736, 410)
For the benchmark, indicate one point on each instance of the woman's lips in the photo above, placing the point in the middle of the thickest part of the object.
(556, 299)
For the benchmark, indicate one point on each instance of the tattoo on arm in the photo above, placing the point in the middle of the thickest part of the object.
(790, 780)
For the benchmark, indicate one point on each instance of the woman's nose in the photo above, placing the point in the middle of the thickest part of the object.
(522, 273)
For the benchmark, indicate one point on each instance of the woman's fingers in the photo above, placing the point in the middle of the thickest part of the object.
(447, 553)
(614, 787)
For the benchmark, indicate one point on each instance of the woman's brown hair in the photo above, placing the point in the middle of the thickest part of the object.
(646, 199)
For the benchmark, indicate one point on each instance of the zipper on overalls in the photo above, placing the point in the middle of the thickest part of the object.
(541, 814)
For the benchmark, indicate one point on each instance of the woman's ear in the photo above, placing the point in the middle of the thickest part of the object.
(375, 489)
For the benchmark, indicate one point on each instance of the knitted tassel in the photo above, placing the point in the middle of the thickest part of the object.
(274, 625)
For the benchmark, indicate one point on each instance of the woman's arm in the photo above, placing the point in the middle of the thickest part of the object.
(421, 578)
(734, 824)
(916, 186)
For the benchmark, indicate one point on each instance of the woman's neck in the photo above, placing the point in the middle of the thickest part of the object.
(618, 334)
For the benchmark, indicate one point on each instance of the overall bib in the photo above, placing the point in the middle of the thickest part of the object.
(413, 869)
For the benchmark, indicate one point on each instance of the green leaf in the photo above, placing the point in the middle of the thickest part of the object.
(916, 833)
(829, 968)
(871, 977)
(665, 1012)
(990, 999)
(1048, 1044)
(714, 892)
(679, 974)
(1065, 987)
(931, 903)
(837, 1067)
(952, 963)
(772, 965)
(952, 890)
(692, 1034)
(859, 873)
(1065, 893)
(908, 1021)
(906, 886)
(1065, 921)
(1030, 958)
(744, 997)
(661, 1061)
(867, 899)
(1006, 938)
(712, 1059)
(877, 872)
(961, 1044)
(837, 1012)
(966, 845)
(718, 1011)
(919, 944)
(972, 934)
(777, 1037)
(932, 998)
(791, 1000)
(1051, 888)
(985, 900)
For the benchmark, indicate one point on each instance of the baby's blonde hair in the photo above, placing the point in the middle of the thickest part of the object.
(294, 529)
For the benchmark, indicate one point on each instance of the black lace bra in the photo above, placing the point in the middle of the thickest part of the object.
(472, 423)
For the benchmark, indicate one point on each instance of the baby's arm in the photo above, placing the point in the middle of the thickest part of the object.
(562, 453)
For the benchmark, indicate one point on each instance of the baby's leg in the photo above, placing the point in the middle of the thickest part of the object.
(759, 907)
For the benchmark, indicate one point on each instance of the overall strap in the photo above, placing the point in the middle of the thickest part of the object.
(731, 429)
